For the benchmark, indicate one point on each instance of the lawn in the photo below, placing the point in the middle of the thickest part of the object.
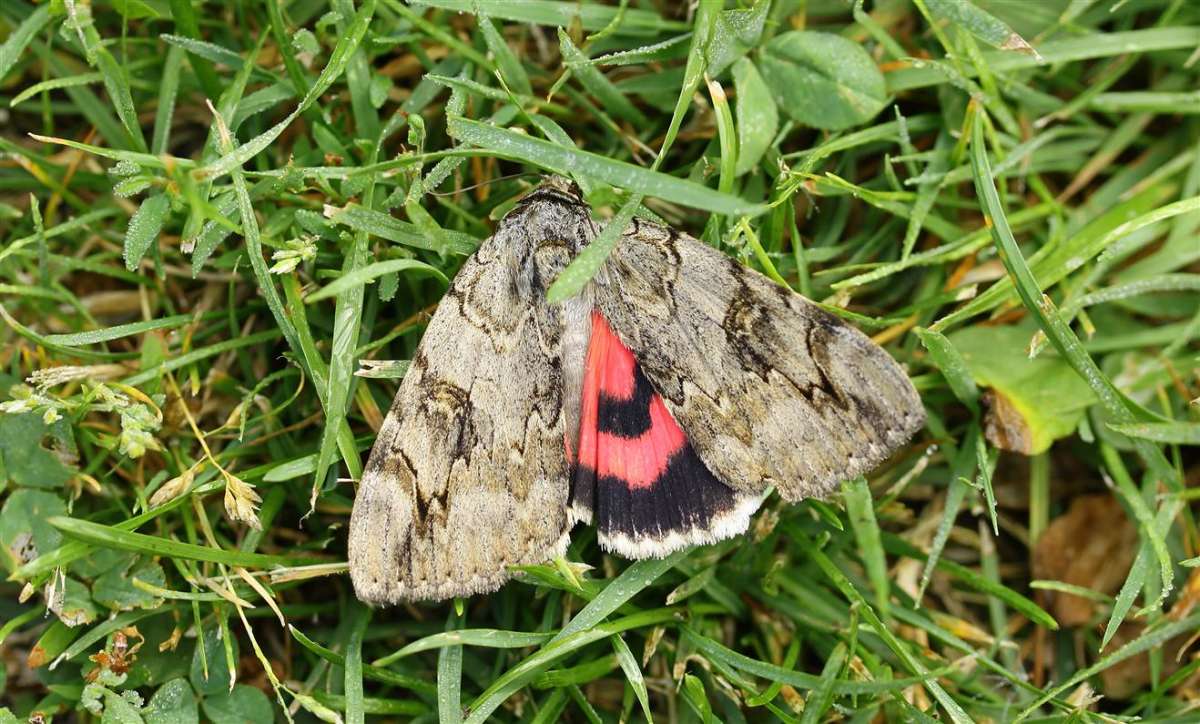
(224, 225)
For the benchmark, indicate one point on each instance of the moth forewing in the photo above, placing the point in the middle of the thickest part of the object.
(468, 475)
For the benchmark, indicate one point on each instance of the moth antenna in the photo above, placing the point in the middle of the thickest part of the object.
(481, 184)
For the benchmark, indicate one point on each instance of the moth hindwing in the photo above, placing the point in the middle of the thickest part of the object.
(661, 403)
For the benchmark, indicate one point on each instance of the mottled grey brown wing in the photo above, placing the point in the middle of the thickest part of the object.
(468, 474)
(769, 388)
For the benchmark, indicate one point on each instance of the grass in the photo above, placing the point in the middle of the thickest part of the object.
(221, 223)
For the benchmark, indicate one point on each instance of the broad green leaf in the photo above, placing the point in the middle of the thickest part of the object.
(737, 31)
(980, 23)
(117, 708)
(24, 461)
(115, 589)
(25, 513)
(144, 228)
(72, 603)
(1046, 394)
(173, 703)
(757, 115)
(823, 80)
(210, 674)
(243, 704)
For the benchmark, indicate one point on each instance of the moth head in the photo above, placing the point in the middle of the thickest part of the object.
(553, 213)
(555, 190)
(543, 232)
(561, 185)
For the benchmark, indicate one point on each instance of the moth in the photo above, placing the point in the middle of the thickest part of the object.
(661, 404)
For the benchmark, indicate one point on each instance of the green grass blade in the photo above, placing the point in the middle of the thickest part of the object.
(569, 162)
(1095, 45)
(367, 274)
(587, 263)
(1176, 433)
(822, 696)
(632, 581)
(449, 678)
(507, 62)
(144, 228)
(489, 638)
(980, 23)
(897, 546)
(120, 331)
(19, 37)
(1068, 345)
(610, 97)
(338, 61)
(1153, 638)
(360, 617)
(861, 511)
(377, 223)
(633, 673)
(562, 14)
(369, 672)
(513, 679)
(110, 537)
(910, 662)
(952, 365)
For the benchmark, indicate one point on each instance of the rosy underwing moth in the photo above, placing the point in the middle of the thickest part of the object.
(660, 404)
